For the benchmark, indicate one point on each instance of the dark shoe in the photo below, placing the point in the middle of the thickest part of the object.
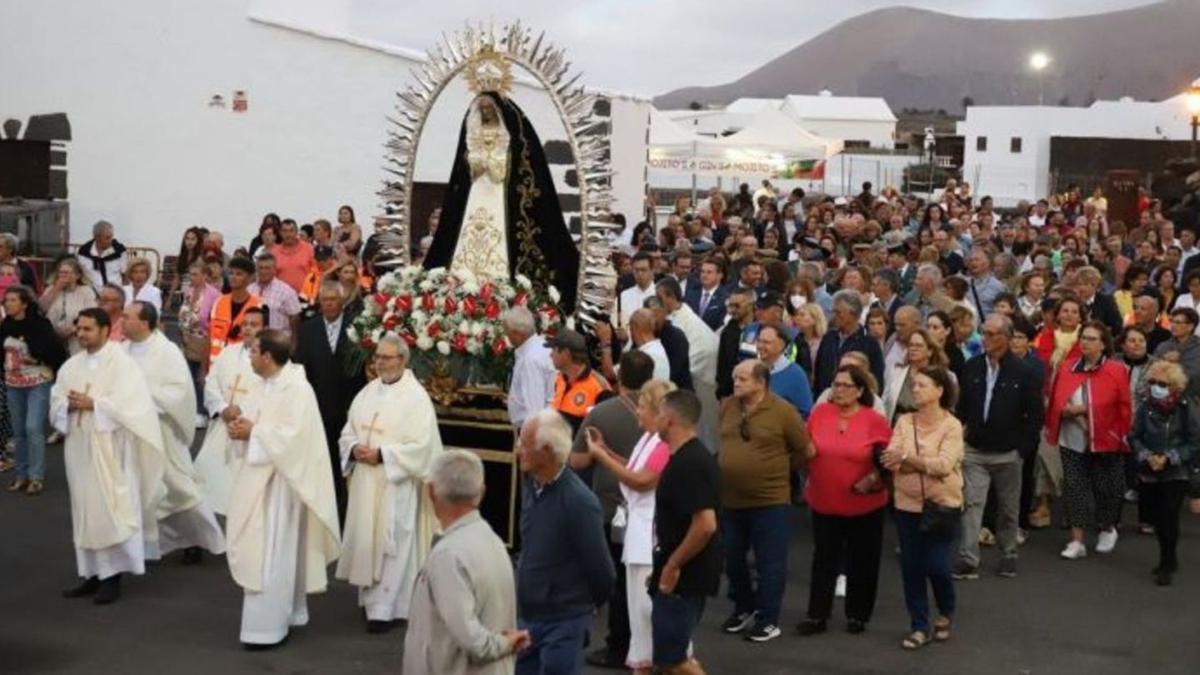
(377, 627)
(809, 627)
(604, 658)
(763, 632)
(88, 587)
(1163, 578)
(1008, 568)
(738, 622)
(192, 556)
(854, 626)
(109, 591)
(963, 570)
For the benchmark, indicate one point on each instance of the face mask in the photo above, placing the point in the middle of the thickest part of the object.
(798, 301)
(1159, 392)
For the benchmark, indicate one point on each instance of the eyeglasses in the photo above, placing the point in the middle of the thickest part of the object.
(744, 428)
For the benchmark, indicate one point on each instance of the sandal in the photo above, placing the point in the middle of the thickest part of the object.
(35, 487)
(915, 641)
(941, 629)
(18, 485)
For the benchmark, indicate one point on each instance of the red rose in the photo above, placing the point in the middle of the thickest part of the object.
(470, 306)
(499, 345)
(521, 299)
(549, 312)
(449, 306)
(410, 339)
(381, 299)
(493, 310)
(427, 302)
(433, 329)
(368, 344)
(403, 303)
(486, 292)
(459, 344)
(390, 322)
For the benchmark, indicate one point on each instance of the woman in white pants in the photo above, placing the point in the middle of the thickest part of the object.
(639, 477)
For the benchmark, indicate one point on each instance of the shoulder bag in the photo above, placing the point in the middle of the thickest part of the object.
(937, 521)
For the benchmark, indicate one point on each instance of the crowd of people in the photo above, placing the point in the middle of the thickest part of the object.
(964, 374)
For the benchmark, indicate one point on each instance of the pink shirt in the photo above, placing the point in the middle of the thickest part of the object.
(292, 265)
(842, 459)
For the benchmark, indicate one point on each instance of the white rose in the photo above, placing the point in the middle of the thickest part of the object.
(443, 347)
(352, 333)
(523, 281)
(426, 285)
(478, 328)
(465, 327)
(554, 295)
(473, 346)
(424, 343)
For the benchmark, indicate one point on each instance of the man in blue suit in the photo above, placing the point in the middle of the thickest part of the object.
(707, 298)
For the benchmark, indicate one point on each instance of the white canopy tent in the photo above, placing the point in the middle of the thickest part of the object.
(768, 142)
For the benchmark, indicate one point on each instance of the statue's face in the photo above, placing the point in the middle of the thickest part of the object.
(488, 112)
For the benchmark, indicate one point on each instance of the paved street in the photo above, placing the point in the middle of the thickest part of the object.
(1099, 615)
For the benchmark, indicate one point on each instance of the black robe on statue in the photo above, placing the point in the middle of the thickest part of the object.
(539, 243)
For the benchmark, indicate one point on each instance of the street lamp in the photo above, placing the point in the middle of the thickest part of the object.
(1193, 104)
(1038, 61)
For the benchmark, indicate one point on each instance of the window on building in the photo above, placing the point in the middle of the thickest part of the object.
(856, 144)
(981, 143)
(1015, 145)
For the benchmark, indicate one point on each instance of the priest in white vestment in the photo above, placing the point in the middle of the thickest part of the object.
(185, 520)
(282, 528)
(229, 388)
(113, 455)
(387, 446)
(702, 356)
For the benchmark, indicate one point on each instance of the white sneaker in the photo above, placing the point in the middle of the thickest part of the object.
(839, 589)
(1074, 551)
(1107, 541)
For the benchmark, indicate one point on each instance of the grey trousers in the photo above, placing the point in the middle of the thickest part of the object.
(1001, 472)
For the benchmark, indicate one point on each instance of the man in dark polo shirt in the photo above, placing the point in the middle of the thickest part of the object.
(687, 558)
(616, 420)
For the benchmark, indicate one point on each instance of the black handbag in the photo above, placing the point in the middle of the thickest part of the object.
(937, 521)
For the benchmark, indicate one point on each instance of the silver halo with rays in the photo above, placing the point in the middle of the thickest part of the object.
(587, 135)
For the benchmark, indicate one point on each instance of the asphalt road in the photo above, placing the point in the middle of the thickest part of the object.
(1099, 615)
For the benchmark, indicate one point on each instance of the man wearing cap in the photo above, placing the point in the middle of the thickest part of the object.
(577, 387)
(897, 261)
(770, 310)
(323, 262)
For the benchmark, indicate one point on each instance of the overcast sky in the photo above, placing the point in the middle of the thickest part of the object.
(650, 46)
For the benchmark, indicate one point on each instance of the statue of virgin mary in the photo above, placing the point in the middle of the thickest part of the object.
(500, 215)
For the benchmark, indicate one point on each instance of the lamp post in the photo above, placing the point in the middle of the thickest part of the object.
(1038, 62)
(1193, 104)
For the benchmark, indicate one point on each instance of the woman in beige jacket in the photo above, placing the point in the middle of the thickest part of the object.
(925, 457)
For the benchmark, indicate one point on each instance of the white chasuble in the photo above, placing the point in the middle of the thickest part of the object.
(114, 461)
(230, 382)
(184, 518)
(389, 520)
(482, 247)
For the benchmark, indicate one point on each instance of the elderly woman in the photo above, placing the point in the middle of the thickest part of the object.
(139, 288)
(856, 359)
(922, 353)
(638, 478)
(63, 298)
(1164, 441)
(925, 457)
(847, 500)
(1089, 417)
(1033, 291)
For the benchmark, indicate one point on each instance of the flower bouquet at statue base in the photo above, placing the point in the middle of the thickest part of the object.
(451, 322)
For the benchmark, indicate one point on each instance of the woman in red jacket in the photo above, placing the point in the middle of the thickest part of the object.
(1089, 418)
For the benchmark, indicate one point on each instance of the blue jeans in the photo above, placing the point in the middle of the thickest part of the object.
(924, 559)
(673, 619)
(28, 408)
(767, 531)
(557, 646)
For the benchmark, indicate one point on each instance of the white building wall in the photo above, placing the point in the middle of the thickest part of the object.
(880, 134)
(1010, 177)
(150, 155)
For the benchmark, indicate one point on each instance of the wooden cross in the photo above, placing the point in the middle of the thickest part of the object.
(79, 414)
(371, 428)
(234, 390)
